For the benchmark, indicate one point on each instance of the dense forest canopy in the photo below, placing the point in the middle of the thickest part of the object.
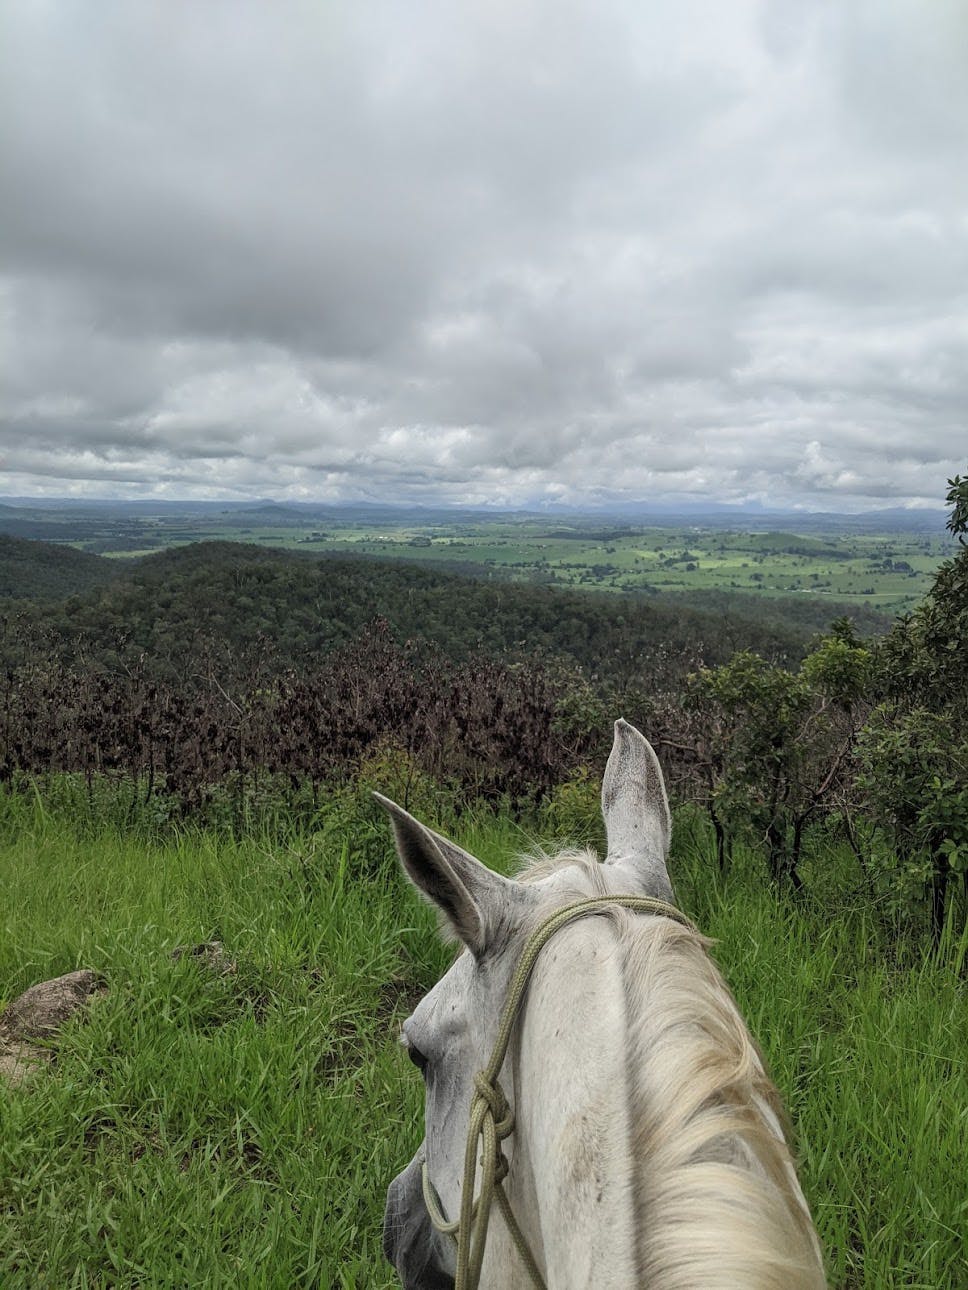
(243, 595)
(32, 570)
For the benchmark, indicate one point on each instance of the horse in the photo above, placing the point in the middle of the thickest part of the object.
(588, 1071)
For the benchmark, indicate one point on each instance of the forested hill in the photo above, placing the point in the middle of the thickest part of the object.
(241, 594)
(807, 615)
(32, 570)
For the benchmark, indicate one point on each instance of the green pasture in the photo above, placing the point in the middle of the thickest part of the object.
(888, 571)
(240, 1129)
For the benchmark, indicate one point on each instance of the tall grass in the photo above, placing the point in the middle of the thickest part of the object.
(240, 1129)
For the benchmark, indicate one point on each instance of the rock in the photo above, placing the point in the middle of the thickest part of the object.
(40, 1011)
(210, 954)
(19, 1061)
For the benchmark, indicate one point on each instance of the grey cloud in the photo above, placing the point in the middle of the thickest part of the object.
(486, 252)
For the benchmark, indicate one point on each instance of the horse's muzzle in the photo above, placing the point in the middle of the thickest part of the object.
(409, 1240)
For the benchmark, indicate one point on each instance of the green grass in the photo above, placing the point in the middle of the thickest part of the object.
(842, 568)
(241, 1130)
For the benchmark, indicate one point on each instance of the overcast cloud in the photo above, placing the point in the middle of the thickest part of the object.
(498, 252)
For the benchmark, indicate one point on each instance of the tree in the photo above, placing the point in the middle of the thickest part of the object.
(914, 748)
(770, 749)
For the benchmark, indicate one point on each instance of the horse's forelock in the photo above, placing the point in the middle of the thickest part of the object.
(591, 877)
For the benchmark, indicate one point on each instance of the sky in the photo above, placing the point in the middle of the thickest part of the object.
(500, 252)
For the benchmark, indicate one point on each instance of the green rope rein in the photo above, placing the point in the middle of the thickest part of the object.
(491, 1118)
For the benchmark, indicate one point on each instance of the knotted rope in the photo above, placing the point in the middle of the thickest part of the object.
(491, 1117)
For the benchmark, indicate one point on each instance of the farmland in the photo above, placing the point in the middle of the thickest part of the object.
(842, 560)
(878, 570)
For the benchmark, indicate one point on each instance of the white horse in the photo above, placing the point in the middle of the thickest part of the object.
(640, 1143)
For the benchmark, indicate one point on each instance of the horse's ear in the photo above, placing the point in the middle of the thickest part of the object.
(636, 811)
(471, 896)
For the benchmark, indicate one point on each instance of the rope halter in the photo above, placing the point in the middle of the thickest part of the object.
(491, 1116)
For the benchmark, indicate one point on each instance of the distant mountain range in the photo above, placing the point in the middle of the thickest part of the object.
(17, 512)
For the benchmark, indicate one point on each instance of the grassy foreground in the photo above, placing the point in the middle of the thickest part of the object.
(240, 1130)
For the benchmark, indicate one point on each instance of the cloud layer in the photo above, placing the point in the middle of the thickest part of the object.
(486, 253)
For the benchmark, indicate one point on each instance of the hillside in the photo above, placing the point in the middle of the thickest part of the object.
(806, 614)
(243, 594)
(46, 571)
(210, 1116)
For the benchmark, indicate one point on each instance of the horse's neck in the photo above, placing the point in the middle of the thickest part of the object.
(572, 1178)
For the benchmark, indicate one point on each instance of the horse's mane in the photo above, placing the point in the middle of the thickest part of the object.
(716, 1192)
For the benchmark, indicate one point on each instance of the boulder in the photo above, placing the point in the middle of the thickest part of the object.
(40, 1011)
